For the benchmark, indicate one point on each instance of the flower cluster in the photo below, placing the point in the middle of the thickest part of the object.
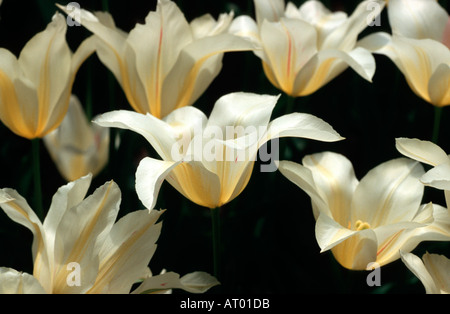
(165, 66)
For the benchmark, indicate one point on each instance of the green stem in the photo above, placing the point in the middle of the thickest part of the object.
(290, 104)
(215, 223)
(437, 123)
(35, 143)
(105, 5)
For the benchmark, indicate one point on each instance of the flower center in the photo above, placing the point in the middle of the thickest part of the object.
(361, 225)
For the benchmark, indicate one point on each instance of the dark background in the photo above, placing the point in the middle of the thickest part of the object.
(268, 237)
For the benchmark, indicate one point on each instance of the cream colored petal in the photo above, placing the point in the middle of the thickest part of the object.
(150, 175)
(352, 249)
(375, 41)
(392, 238)
(80, 235)
(157, 45)
(301, 125)
(244, 110)
(417, 18)
(157, 132)
(438, 86)
(194, 71)
(417, 60)
(417, 267)
(196, 282)
(389, 193)
(206, 25)
(328, 64)
(357, 252)
(46, 62)
(335, 183)
(11, 110)
(438, 177)
(245, 26)
(187, 121)
(315, 13)
(77, 147)
(65, 198)
(197, 183)
(127, 252)
(270, 10)
(345, 36)
(113, 37)
(14, 282)
(407, 239)
(19, 211)
(439, 268)
(288, 45)
(304, 179)
(423, 151)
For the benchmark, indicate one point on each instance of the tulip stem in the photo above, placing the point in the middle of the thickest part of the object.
(437, 122)
(290, 104)
(35, 143)
(215, 223)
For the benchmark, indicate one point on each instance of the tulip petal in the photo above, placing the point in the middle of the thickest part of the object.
(51, 75)
(194, 71)
(206, 25)
(150, 175)
(423, 151)
(270, 10)
(438, 177)
(197, 183)
(315, 13)
(328, 64)
(345, 36)
(335, 182)
(286, 51)
(301, 125)
(418, 19)
(196, 282)
(407, 239)
(438, 266)
(64, 199)
(246, 110)
(389, 193)
(19, 211)
(438, 86)
(80, 234)
(157, 132)
(157, 45)
(417, 267)
(303, 178)
(246, 27)
(127, 250)
(14, 282)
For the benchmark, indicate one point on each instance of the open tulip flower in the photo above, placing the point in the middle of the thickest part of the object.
(166, 63)
(368, 221)
(419, 47)
(78, 147)
(304, 48)
(210, 161)
(79, 248)
(433, 270)
(35, 88)
(430, 154)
